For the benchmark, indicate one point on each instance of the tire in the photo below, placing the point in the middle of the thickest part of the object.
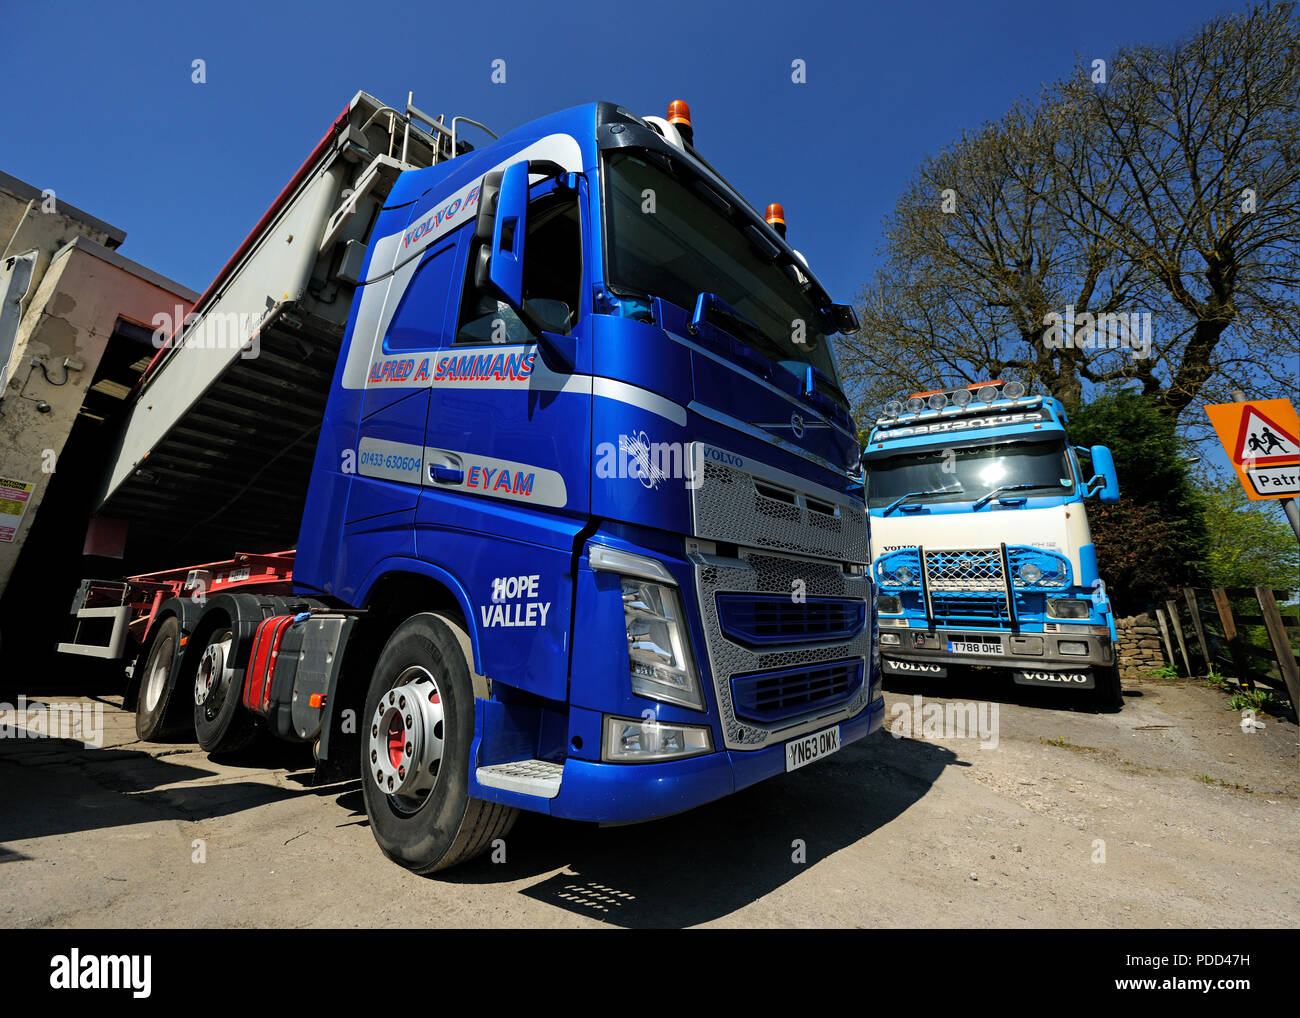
(220, 721)
(1109, 694)
(415, 747)
(160, 713)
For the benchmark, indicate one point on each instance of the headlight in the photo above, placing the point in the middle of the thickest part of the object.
(1068, 608)
(887, 604)
(639, 741)
(1029, 572)
(662, 666)
(660, 661)
(889, 639)
(1076, 648)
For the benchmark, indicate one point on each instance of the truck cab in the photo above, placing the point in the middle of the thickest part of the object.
(981, 549)
(587, 405)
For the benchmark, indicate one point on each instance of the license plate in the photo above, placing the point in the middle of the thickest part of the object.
(963, 647)
(801, 752)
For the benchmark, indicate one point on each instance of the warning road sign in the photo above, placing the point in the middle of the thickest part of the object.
(1260, 438)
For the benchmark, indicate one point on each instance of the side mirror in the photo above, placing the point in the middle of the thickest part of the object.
(1105, 482)
(487, 204)
(509, 226)
(840, 318)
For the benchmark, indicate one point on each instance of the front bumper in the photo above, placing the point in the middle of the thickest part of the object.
(626, 793)
(1024, 650)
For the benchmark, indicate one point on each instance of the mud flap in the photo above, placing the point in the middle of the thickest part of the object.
(893, 667)
(1076, 678)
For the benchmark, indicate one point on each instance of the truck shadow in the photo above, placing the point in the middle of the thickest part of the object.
(51, 787)
(707, 863)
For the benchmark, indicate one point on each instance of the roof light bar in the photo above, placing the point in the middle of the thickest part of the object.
(939, 400)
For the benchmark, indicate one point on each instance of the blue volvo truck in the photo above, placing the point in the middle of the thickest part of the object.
(552, 432)
(981, 550)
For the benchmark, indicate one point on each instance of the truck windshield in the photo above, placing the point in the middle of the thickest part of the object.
(665, 240)
(970, 473)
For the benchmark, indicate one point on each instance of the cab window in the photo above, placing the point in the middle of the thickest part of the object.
(552, 274)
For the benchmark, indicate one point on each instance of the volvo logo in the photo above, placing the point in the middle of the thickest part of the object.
(796, 424)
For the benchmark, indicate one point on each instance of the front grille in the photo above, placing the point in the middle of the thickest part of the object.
(743, 508)
(784, 539)
(965, 569)
(764, 620)
(776, 696)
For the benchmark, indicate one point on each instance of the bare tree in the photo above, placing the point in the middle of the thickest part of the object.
(1205, 133)
(1138, 224)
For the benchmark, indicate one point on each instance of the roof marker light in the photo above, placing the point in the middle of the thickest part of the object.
(679, 115)
(775, 217)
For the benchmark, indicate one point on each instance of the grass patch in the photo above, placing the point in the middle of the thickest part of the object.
(1233, 786)
(1060, 743)
(1256, 699)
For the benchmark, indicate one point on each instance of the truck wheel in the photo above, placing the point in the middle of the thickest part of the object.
(220, 721)
(1109, 691)
(160, 715)
(419, 720)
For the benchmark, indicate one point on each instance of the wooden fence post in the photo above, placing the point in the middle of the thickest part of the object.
(1189, 594)
(1172, 607)
(1281, 644)
(1164, 637)
(1230, 634)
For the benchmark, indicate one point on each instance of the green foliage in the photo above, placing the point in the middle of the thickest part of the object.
(1256, 699)
(1155, 540)
(1165, 671)
(1251, 544)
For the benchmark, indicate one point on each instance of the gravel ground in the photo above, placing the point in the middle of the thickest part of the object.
(1167, 814)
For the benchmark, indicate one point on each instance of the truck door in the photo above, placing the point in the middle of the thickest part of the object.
(507, 451)
(395, 408)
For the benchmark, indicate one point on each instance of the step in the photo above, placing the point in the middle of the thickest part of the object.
(528, 777)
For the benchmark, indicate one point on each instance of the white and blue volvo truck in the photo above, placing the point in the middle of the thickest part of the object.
(527, 484)
(981, 549)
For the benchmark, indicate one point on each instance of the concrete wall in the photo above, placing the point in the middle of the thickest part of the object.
(80, 290)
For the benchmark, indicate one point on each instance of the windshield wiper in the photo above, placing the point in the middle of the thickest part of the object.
(918, 494)
(813, 374)
(997, 491)
(714, 310)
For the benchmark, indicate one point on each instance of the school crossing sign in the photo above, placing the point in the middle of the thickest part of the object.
(1262, 440)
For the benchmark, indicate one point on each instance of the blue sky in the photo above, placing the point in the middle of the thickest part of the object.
(102, 108)
(109, 118)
